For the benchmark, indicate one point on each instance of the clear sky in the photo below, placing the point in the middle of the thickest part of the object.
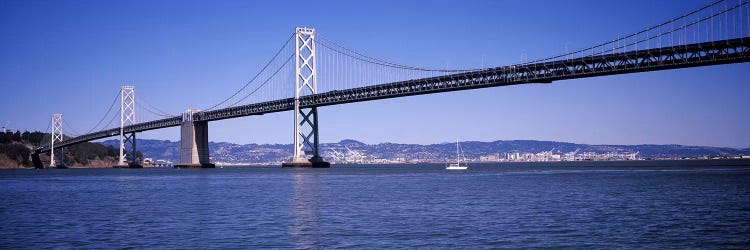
(72, 56)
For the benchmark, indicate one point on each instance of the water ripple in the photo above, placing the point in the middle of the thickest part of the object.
(412, 206)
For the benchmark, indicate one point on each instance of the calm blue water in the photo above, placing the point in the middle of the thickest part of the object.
(396, 206)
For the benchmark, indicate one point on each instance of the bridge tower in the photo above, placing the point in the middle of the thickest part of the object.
(57, 136)
(305, 121)
(127, 117)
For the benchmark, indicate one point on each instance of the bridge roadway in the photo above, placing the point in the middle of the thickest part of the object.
(664, 58)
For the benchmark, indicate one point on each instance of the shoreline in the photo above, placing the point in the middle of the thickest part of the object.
(633, 163)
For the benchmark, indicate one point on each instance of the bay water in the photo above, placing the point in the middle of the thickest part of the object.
(535, 205)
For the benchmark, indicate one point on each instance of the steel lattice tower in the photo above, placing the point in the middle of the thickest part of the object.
(305, 83)
(127, 117)
(57, 136)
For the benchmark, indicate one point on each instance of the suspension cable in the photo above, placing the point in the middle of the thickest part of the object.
(110, 121)
(152, 111)
(45, 140)
(49, 125)
(154, 108)
(362, 57)
(71, 129)
(671, 31)
(105, 114)
(256, 75)
(149, 110)
(628, 36)
(337, 47)
(264, 82)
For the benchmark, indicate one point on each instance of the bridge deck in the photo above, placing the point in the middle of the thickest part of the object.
(683, 56)
(673, 57)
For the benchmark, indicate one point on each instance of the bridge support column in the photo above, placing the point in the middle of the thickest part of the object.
(127, 117)
(57, 136)
(36, 161)
(128, 157)
(305, 121)
(193, 143)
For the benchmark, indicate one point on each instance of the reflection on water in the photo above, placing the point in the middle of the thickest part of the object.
(305, 231)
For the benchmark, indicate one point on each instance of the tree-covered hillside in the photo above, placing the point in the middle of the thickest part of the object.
(16, 148)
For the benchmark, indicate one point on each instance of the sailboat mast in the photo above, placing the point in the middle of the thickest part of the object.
(458, 156)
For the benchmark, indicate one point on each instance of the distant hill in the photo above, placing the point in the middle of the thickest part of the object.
(259, 153)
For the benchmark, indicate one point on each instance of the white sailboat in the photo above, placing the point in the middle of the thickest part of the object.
(458, 165)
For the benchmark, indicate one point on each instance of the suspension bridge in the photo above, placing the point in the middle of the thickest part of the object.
(311, 70)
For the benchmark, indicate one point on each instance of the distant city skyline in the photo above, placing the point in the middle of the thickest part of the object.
(352, 151)
(71, 57)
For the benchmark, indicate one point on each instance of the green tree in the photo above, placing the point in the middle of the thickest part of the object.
(25, 136)
(16, 152)
(36, 137)
(5, 137)
(112, 151)
(17, 136)
(69, 161)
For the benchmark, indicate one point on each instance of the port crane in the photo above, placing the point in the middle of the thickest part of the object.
(572, 155)
(351, 156)
(359, 157)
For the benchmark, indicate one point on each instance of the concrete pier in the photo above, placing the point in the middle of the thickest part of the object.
(194, 145)
(130, 165)
(36, 161)
(315, 162)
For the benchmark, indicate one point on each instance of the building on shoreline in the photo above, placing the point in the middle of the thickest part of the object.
(547, 156)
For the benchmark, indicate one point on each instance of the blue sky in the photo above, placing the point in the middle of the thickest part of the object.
(72, 56)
